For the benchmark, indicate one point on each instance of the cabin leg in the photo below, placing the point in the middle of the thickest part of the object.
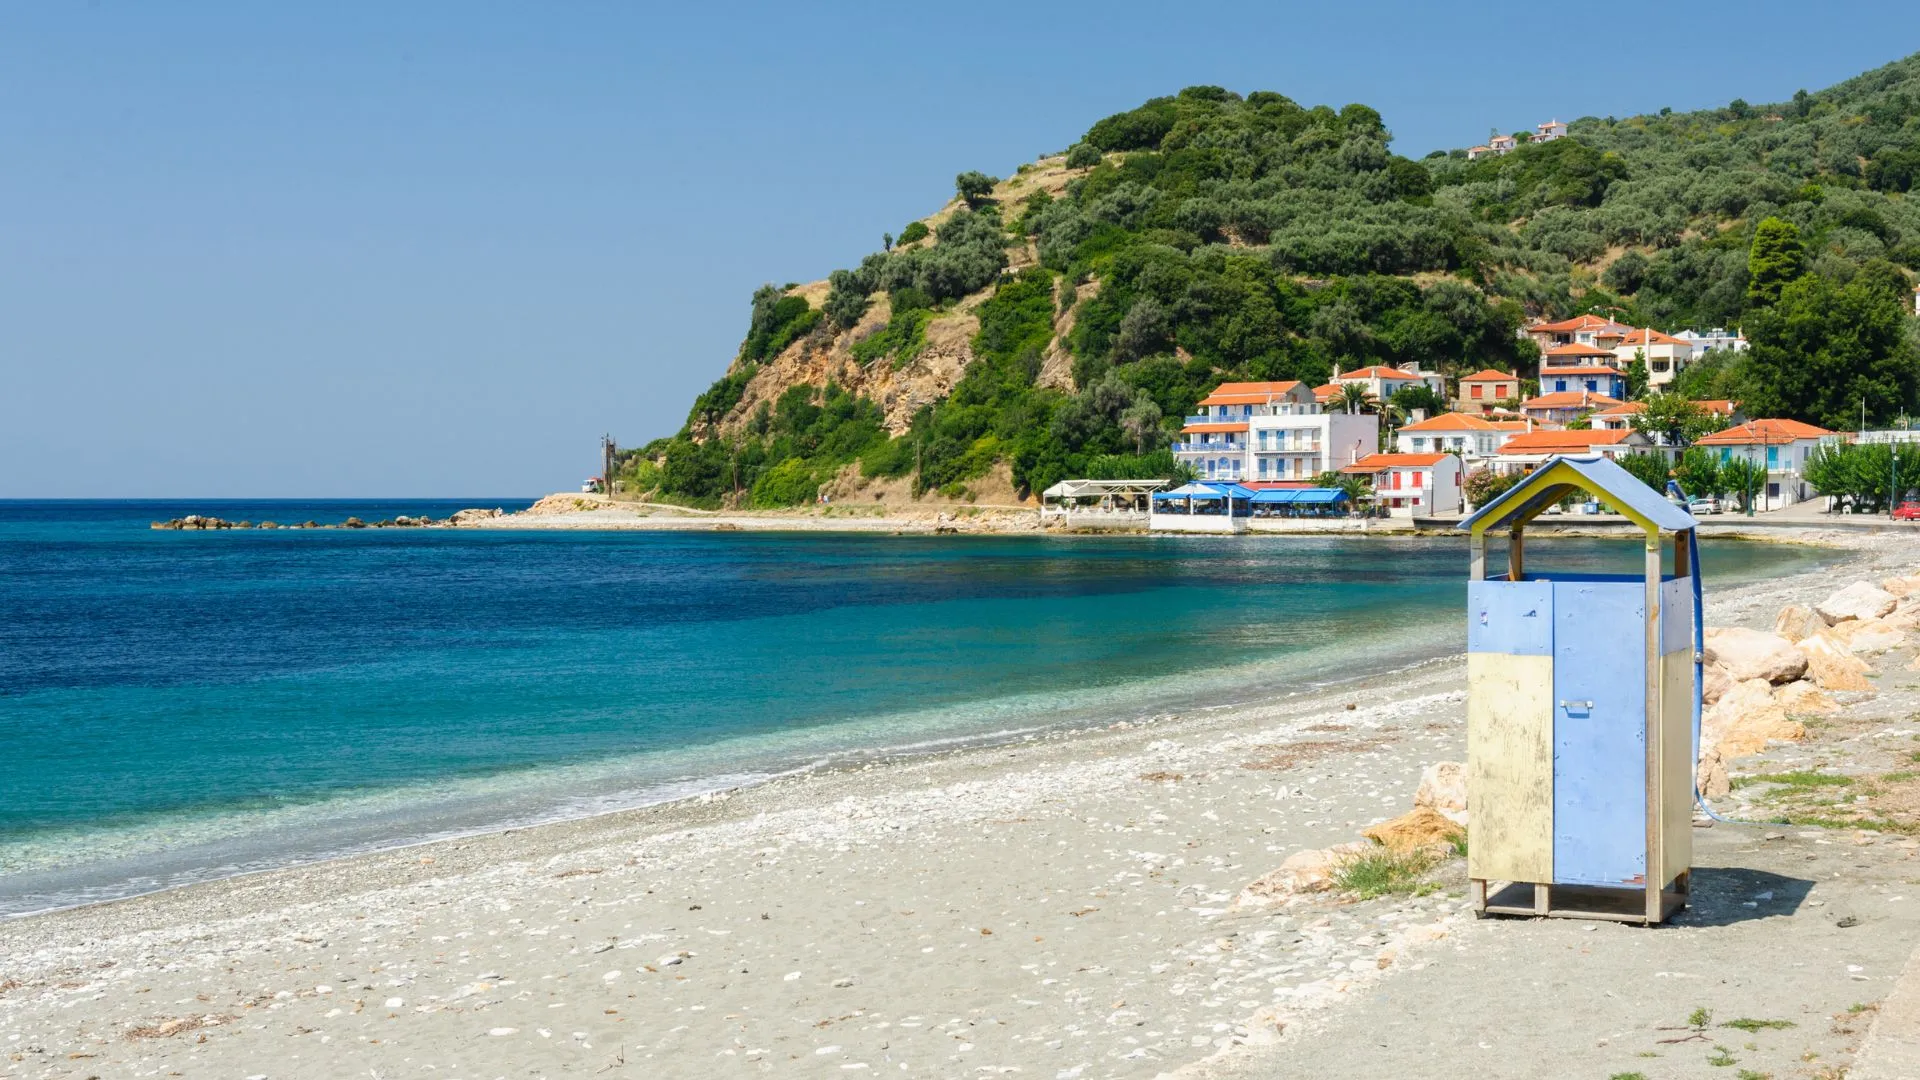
(1656, 872)
(1683, 882)
(1542, 898)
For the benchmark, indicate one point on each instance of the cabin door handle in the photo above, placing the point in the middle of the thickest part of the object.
(1582, 706)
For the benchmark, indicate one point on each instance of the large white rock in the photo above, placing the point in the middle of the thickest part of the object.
(1868, 635)
(1714, 683)
(1797, 621)
(1902, 586)
(1304, 871)
(1857, 601)
(1804, 697)
(1711, 776)
(1754, 654)
(1832, 665)
(1745, 719)
(1443, 789)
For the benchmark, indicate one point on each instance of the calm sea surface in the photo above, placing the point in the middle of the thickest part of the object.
(181, 706)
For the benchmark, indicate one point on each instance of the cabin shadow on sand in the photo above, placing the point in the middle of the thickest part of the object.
(1724, 895)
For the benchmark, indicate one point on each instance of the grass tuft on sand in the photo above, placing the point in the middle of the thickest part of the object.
(1385, 872)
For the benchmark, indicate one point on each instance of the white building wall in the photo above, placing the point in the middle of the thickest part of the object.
(1300, 446)
(1786, 471)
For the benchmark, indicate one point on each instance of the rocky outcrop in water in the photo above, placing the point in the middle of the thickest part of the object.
(201, 521)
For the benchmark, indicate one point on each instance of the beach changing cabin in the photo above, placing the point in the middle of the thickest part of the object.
(1582, 696)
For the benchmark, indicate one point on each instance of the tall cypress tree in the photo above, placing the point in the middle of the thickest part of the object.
(1777, 257)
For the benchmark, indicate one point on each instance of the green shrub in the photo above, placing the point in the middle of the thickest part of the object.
(974, 186)
(778, 320)
(790, 483)
(894, 457)
(915, 232)
(1083, 155)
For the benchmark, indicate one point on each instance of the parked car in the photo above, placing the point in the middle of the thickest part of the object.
(1697, 507)
(1907, 511)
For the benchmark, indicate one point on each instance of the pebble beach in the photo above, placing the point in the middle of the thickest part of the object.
(1071, 905)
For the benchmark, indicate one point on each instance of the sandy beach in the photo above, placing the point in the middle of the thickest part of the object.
(1068, 906)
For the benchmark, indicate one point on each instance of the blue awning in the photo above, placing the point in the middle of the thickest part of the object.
(1316, 496)
(1207, 489)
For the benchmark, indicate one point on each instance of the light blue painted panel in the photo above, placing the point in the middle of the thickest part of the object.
(1512, 617)
(1599, 733)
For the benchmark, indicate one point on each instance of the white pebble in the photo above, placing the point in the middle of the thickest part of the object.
(501, 1031)
(394, 1003)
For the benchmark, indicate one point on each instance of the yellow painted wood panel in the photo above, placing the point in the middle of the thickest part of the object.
(1510, 767)
(1676, 765)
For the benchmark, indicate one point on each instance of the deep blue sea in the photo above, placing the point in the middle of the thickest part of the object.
(176, 706)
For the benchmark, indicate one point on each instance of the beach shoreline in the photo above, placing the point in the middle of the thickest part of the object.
(1029, 864)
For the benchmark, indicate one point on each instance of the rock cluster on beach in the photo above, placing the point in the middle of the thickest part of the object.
(1755, 684)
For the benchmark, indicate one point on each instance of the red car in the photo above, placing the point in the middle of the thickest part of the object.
(1907, 511)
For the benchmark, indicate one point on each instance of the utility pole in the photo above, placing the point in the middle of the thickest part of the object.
(606, 465)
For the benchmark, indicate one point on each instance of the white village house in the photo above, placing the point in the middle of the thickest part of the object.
(1271, 431)
(1383, 382)
(1475, 438)
(1782, 446)
(1525, 452)
(1412, 485)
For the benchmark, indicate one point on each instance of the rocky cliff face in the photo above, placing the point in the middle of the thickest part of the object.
(825, 356)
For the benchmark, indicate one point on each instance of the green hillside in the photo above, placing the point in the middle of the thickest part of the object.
(1210, 236)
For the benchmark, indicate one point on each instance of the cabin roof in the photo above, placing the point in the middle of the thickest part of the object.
(1560, 475)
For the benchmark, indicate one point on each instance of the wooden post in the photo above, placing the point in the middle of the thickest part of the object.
(1542, 898)
(1516, 558)
(1478, 546)
(1656, 860)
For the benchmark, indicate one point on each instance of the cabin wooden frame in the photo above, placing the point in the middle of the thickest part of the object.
(1582, 693)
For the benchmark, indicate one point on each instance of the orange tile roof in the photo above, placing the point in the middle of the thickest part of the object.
(1551, 442)
(1374, 463)
(1453, 421)
(1377, 371)
(1241, 426)
(1489, 375)
(1569, 399)
(1641, 337)
(1567, 326)
(1762, 431)
(1577, 349)
(1717, 406)
(1329, 392)
(1248, 393)
(1631, 408)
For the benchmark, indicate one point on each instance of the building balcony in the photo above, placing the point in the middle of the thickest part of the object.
(1209, 448)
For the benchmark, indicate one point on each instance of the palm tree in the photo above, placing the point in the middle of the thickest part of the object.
(1353, 398)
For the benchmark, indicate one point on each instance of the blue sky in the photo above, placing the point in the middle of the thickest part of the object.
(359, 249)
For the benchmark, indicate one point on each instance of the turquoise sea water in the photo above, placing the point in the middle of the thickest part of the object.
(179, 706)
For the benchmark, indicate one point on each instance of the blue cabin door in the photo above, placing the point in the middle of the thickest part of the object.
(1599, 733)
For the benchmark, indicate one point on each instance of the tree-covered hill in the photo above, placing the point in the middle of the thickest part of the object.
(1062, 321)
